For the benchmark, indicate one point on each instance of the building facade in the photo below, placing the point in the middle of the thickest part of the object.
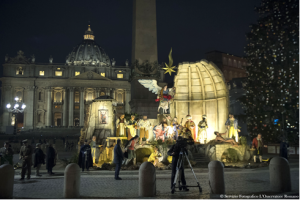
(55, 94)
(232, 66)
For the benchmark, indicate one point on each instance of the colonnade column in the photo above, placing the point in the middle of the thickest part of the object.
(6, 98)
(71, 106)
(28, 112)
(81, 100)
(49, 106)
(107, 91)
(113, 93)
(97, 92)
(65, 123)
(127, 100)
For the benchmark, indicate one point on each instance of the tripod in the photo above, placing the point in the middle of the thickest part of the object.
(180, 165)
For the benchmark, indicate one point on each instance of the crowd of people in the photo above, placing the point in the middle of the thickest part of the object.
(40, 158)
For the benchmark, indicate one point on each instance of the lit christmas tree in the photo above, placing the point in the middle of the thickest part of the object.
(271, 101)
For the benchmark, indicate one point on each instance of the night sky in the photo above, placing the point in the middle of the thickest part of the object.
(190, 27)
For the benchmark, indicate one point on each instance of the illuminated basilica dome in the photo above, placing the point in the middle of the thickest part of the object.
(88, 52)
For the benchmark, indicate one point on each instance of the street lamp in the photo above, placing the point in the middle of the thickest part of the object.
(18, 108)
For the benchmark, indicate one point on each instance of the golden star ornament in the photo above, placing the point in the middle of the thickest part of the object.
(169, 68)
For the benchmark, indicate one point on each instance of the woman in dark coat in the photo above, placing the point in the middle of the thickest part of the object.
(85, 157)
(50, 159)
(39, 158)
(118, 158)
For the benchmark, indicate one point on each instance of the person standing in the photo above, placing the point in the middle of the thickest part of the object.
(232, 127)
(66, 146)
(39, 159)
(50, 158)
(85, 156)
(190, 125)
(7, 154)
(71, 146)
(26, 156)
(258, 144)
(63, 140)
(144, 125)
(284, 148)
(130, 149)
(202, 130)
(94, 146)
(131, 127)
(121, 126)
(118, 158)
(169, 120)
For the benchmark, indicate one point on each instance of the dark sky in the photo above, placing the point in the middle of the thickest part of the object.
(190, 27)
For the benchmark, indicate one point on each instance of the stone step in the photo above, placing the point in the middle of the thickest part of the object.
(201, 159)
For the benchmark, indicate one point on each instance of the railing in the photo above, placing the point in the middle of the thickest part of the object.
(275, 149)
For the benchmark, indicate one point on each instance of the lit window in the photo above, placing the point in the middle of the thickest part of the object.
(103, 74)
(20, 71)
(42, 73)
(57, 107)
(90, 96)
(76, 97)
(119, 75)
(58, 73)
(77, 73)
(58, 97)
(58, 68)
(120, 71)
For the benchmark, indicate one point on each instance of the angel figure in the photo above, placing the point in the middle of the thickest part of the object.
(164, 95)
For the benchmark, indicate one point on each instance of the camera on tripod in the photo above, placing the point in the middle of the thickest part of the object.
(180, 147)
(183, 142)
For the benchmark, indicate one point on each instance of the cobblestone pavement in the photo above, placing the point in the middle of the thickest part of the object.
(101, 184)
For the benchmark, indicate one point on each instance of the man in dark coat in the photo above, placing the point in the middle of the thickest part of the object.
(50, 158)
(7, 154)
(118, 158)
(174, 152)
(26, 156)
(284, 148)
(85, 156)
(39, 159)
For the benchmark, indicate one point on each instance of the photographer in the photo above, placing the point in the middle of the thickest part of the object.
(174, 152)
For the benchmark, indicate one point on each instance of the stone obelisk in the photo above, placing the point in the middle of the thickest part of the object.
(144, 47)
(144, 37)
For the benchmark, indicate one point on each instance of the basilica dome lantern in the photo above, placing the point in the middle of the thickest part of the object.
(88, 52)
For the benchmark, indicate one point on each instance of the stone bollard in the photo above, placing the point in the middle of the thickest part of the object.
(7, 174)
(280, 176)
(72, 181)
(147, 180)
(216, 177)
